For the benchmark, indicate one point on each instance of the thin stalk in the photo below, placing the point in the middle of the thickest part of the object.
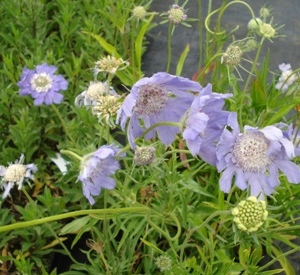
(62, 122)
(169, 47)
(73, 214)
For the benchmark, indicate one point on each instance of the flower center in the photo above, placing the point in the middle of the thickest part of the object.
(95, 90)
(151, 99)
(14, 173)
(41, 83)
(250, 151)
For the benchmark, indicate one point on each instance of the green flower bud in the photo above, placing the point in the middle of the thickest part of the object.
(250, 214)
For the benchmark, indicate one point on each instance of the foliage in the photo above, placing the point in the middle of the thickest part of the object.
(172, 208)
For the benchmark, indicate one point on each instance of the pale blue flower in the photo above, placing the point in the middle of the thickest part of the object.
(205, 123)
(287, 78)
(97, 170)
(160, 98)
(253, 158)
(16, 173)
(42, 84)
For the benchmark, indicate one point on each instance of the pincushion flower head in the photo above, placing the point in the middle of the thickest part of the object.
(160, 98)
(42, 84)
(16, 173)
(97, 170)
(254, 158)
(204, 124)
(287, 78)
(250, 214)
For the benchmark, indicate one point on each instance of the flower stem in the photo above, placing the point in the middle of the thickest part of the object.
(49, 226)
(72, 154)
(164, 123)
(62, 123)
(169, 47)
(101, 212)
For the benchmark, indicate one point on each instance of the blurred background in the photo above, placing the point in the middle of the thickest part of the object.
(283, 49)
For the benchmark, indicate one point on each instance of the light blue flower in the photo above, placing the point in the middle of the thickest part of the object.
(254, 158)
(97, 170)
(160, 98)
(42, 84)
(16, 173)
(204, 124)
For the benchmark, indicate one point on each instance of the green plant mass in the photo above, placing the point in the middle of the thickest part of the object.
(108, 168)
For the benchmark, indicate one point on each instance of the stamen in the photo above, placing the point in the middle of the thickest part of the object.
(14, 173)
(41, 83)
(250, 151)
(152, 99)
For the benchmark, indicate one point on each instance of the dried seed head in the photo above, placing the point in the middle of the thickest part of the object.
(144, 155)
(232, 56)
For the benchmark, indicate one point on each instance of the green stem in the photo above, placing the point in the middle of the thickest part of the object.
(191, 232)
(62, 123)
(49, 227)
(243, 94)
(222, 10)
(169, 47)
(166, 234)
(72, 154)
(73, 214)
(164, 123)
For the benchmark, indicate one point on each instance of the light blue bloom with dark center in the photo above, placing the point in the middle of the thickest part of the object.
(42, 84)
(97, 170)
(254, 158)
(205, 122)
(160, 98)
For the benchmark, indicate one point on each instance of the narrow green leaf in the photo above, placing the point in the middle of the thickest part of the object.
(181, 60)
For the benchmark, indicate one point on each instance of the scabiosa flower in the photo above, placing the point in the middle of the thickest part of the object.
(106, 109)
(292, 133)
(205, 123)
(253, 158)
(16, 173)
(232, 55)
(287, 77)
(42, 84)
(160, 98)
(97, 170)
(250, 214)
(90, 96)
(139, 12)
(266, 30)
(177, 14)
(144, 155)
(109, 64)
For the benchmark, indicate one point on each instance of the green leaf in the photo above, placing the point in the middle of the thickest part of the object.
(181, 60)
(75, 225)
